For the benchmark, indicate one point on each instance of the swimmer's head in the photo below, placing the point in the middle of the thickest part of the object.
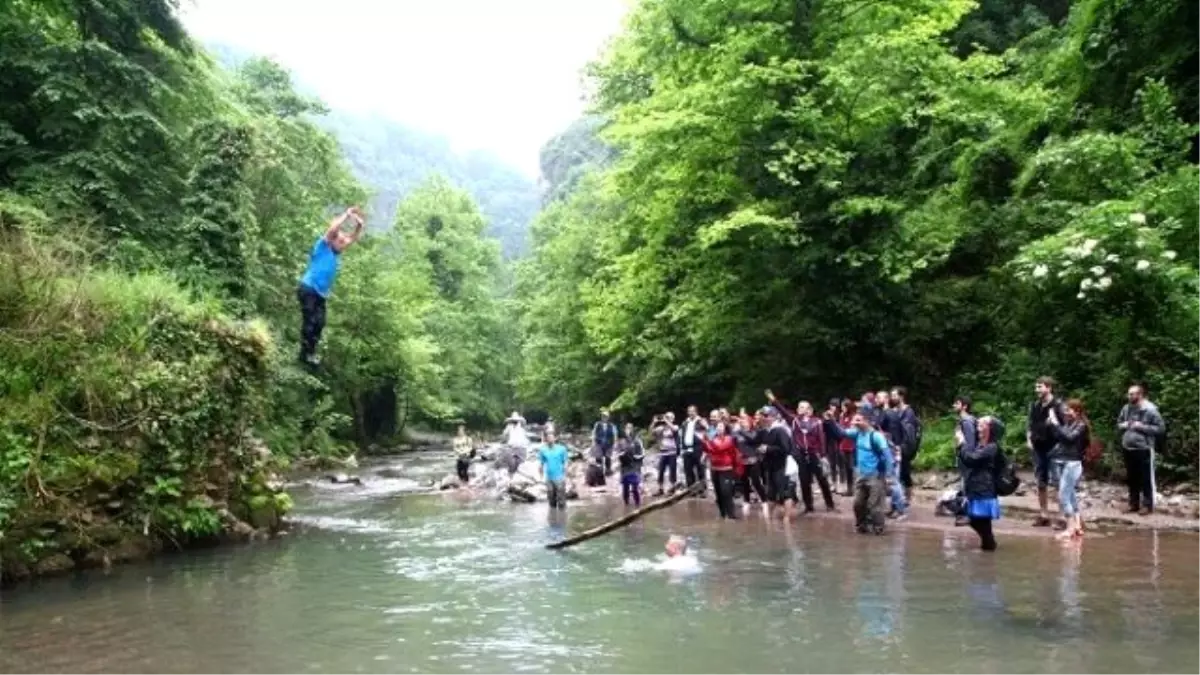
(676, 546)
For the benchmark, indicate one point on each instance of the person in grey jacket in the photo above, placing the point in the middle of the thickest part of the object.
(1141, 426)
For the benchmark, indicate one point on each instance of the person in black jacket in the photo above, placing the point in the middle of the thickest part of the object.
(748, 434)
(979, 463)
(777, 447)
(905, 429)
(1039, 438)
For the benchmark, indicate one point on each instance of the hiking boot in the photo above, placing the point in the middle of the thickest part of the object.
(1145, 511)
(310, 360)
(901, 517)
(891, 515)
(961, 521)
(1132, 510)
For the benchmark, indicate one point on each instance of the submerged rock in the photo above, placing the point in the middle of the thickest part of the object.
(449, 482)
(341, 479)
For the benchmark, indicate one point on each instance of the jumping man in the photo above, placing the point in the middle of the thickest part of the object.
(318, 279)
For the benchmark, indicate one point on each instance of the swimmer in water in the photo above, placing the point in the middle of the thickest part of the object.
(676, 546)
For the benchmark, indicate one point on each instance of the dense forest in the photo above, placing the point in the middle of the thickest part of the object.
(827, 196)
(157, 210)
(818, 196)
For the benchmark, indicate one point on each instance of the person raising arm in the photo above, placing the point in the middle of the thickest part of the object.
(317, 282)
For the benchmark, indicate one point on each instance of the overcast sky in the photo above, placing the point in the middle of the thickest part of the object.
(498, 75)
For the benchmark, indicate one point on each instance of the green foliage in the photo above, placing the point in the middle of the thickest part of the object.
(829, 197)
(156, 212)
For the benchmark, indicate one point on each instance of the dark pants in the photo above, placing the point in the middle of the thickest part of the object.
(810, 468)
(461, 466)
(1138, 476)
(668, 464)
(723, 486)
(983, 527)
(870, 493)
(631, 488)
(906, 460)
(847, 461)
(693, 469)
(312, 321)
(752, 479)
(779, 488)
(603, 456)
(556, 494)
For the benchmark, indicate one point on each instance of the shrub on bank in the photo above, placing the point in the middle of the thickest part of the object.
(128, 416)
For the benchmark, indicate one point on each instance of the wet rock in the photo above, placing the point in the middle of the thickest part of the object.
(342, 478)
(449, 482)
(14, 571)
(56, 563)
(1177, 500)
(390, 472)
(572, 492)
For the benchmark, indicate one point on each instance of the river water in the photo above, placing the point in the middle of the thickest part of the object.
(377, 580)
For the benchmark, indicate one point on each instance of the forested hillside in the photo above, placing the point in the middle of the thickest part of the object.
(156, 211)
(831, 195)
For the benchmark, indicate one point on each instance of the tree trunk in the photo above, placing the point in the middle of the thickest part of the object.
(625, 519)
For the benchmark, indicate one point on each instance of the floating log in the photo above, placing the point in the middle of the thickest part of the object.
(625, 519)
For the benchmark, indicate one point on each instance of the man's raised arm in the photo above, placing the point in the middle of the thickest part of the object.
(335, 225)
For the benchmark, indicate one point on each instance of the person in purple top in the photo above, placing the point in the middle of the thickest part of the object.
(317, 282)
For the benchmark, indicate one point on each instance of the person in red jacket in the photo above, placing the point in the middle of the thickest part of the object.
(724, 462)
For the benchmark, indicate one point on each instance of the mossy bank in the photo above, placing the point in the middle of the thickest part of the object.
(128, 418)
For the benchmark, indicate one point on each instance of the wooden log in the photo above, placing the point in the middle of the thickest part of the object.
(625, 519)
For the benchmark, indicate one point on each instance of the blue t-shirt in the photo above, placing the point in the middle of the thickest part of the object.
(554, 461)
(322, 268)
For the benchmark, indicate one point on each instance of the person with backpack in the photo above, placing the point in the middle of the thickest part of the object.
(1039, 438)
(873, 461)
(1073, 434)
(777, 448)
(666, 433)
(906, 434)
(604, 439)
(982, 464)
(1142, 432)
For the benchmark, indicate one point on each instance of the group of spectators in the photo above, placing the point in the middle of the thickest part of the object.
(865, 449)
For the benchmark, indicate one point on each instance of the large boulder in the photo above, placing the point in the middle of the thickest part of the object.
(55, 563)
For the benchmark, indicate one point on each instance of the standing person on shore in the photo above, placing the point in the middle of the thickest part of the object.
(873, 463)
(829, 417)
(724, 460)
(604, 439)
(1040, 440)
(632, 453)
(666, 433)
(845, 422)
(906, 434)
(1074, 435)
(317, 282)
(966, 437)
(693, 456)
(808, 437)
(553, 467)
(1142, 428)
(979, 462)
(747, 433)
(464, 452)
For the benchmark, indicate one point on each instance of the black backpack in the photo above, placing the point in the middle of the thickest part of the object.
(1004, 472)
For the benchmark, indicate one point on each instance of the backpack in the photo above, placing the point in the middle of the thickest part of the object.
(1004, 472)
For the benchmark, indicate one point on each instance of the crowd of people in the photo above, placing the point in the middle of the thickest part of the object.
(771, 458)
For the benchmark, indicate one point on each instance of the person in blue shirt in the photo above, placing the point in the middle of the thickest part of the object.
(553, 458)
(317, 282)
(874, 466)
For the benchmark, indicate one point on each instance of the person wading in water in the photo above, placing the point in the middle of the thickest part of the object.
(464, 451)
(317, 282)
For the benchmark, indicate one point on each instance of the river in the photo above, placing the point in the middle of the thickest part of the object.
(376, 580)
